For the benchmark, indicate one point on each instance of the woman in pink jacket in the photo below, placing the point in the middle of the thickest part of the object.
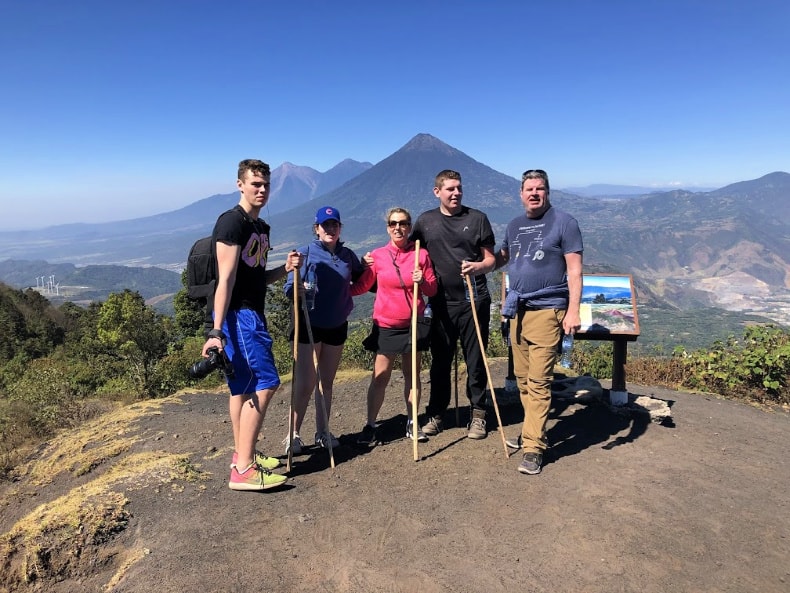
(395, 275)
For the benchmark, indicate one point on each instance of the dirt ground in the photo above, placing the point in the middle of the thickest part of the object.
(699, 505)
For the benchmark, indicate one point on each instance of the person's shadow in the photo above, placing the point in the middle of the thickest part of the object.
(588, 425)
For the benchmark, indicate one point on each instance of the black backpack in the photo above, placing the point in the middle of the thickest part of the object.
(202, 277)
(202, 269)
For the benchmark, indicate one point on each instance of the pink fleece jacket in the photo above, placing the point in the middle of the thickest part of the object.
(394, 293)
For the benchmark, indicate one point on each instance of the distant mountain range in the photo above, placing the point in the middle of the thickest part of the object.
(295, 184)
(605, 190)
(728, 247)
(163, 239)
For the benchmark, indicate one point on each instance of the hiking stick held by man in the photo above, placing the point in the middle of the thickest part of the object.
(488, 369)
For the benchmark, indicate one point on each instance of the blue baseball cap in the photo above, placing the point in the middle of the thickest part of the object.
(327, 213)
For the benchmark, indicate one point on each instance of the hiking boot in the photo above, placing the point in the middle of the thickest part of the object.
(322, 439)
(297, 445)
(433, 426)
(514, 443)
(477, 427)
(254, 478)
(531, 463)
(421, 438)
(264, 461)
(368, 436)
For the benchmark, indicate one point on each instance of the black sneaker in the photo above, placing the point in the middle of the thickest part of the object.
(531, 463)
(368, 436)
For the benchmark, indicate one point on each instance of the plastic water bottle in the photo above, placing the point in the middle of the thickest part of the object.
(428, 313)
(565, 352)
(310, 287)
(466, 287)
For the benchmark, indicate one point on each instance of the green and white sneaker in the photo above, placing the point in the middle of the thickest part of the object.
(264, 461)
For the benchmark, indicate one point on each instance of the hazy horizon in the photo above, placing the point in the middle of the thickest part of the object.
(116, 111)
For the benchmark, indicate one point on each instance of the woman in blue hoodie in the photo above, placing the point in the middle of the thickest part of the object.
(332, 275)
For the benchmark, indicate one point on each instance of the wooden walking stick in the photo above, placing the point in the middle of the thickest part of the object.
(319, 390)
(457, 415)
(293, 373)
(414, 370)
(485, 362)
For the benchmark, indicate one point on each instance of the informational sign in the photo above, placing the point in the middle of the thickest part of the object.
(609, 305)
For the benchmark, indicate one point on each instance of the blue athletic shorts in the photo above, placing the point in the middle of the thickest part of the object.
(249, 348)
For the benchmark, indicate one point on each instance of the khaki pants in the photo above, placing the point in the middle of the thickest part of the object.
(534, 336)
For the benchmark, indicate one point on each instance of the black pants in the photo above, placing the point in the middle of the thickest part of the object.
(450, 325)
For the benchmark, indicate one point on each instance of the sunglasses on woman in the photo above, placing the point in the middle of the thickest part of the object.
(401, 223)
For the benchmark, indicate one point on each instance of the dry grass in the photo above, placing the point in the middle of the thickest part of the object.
(63, 537)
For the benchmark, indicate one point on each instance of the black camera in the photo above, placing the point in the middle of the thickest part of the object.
(217, 360)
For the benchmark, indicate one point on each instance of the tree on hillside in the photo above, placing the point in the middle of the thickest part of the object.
(190, 314)
(29, 325)
(279, 310)
(137, 334)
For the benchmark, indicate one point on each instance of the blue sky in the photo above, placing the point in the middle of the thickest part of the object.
(113, 110)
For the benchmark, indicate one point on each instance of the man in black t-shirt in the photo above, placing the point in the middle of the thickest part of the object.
(239, 328)
(461, 242)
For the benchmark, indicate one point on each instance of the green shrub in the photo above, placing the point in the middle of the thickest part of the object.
(354, 354)
(756, 366)
(592, 358)
(42, 399)
(497, 344)
(171, 372)
(283, 355)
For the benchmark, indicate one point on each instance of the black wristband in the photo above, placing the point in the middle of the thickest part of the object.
(216, 333)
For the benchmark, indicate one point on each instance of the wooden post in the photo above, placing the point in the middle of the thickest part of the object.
(618, 394)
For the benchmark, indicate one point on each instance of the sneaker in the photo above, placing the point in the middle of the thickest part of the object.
(264, 461)
(254, 478)
(297, 445)
(477, 427)
(368, 436)
(531, 463)
(514, 443)
(433, 426)
(322, 439)
(421, 438)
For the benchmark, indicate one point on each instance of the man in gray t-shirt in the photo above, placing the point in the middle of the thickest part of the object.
(544, 249)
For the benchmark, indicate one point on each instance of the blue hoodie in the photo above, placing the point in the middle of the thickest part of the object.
(334, 274)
